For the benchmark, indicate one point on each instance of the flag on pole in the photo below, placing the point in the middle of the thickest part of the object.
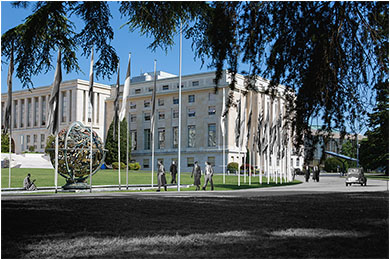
(126, 92)
(116, 102)
(238, 123)
(91, 80)
(248, 136)
(243, 128)
(265, 133)
(54, 98)
(152, 118)
(223, 114)
(259, 136)
(7, 115)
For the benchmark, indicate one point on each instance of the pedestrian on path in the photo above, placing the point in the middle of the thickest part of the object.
(307, 173)
(208, 176)
(196, 173)
(161, 181)
(173, 170)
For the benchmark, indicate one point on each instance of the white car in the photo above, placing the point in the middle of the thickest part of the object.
(355, 176)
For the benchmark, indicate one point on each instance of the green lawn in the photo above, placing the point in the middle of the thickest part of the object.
(45, 178)
(377, 176)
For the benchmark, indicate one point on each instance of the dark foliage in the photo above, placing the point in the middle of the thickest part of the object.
(112, 144)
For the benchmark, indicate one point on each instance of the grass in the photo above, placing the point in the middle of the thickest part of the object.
(45, 178)
(378, 176)
(339, 225)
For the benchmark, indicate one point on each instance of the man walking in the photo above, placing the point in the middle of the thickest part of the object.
(161, 181)
(196, 172)
(208, 176)
(173, 170)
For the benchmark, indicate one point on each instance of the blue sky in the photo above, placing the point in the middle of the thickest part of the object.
(124, 42)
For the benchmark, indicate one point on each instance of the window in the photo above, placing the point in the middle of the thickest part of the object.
(35, 138)
(191, 112)
(137, 91)
(175, 100)
(175, 137)
(165, 87)
(161, 115)
(191, 136)
(160, 101)
(15, 115)
(212, 96)
(147, 139)
(146, 163)
(147, 103)
(150, 89)
(133, 136)
(36, 113)
(191, 98)
(42, 145)
(292, 161)
(71, 110)
(42, 138)
(22, 114)
(133, 105)
(28, 112)
(212, 142)
(64, 107)
(133, 117)
(175, 113)
(211, 160)
(28, 139)
(161, 138)
(211, 110)
(297, 162)
(146, 116)
(195, 83)
(190, 161)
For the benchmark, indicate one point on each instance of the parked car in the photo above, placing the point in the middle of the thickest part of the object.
(355, 176)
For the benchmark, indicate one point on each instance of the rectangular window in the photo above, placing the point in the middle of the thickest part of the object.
(190, 161)
(165, 87)
(175, 100)
(43, 145)
(22, 114)
(36, 109)
(161, 138)
(211, 160)
(297, 162)
(211, 110)
(160, 102)
(146, 163)
(147, 139)
(161, 115)
(133, 105)
(137, 91)
(150, 89)
(191, 98)
(28, 112)
(195, 83)
(15, 115)
(35, 138)
(64, 108)
(70, 106)
(212, 133)
(42, 138)
(191, 136)
(175, 136)
(175, 113)
(133, 117)
(28, 139)
(146, 116)
(146, 103)
(133, 135)
(191, 112)
(96, 104)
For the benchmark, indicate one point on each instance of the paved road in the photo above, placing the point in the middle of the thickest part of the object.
(327, 184)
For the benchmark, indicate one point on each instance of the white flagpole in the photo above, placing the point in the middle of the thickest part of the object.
(119, 153)
(127, 151)
(245, 166)
(56, 164)
(223, 136)
(10, 144)
(179, 144)
(250, 168)
(152, 123)
(239, 152)
(91, 107)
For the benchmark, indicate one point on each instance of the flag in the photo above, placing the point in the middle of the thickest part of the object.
(243, 128)
(248, 127)
(91, 81)
(116, 102)
(238, 123)
(152, 118)
(126, 92)
(54, 98)
(7, 116)
(279, 141)
(259, 136)
(223, 113)
(265, 140)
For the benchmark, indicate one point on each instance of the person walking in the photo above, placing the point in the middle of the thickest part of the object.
(208, 176)
(161, 181)
(196, 173)
(173, 170)
(316, 172)
(28, 184)
(307, 173)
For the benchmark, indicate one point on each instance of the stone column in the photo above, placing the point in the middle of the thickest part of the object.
(69, 108)
(39, 111)
(34, 112)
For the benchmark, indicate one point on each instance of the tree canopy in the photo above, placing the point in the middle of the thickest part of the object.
(329, 54)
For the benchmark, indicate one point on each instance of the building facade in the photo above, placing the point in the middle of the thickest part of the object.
(201, 129)
(30, 112)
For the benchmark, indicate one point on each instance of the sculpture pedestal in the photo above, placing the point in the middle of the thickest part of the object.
(76, 186)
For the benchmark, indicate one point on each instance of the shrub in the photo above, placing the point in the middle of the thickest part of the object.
(332, 163)
(115, 165)
(31, 148)
(232, 167)
(247, 167)
(134, 166)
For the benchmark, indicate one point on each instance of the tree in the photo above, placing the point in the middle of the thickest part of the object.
(112, 144)
(5, 143)
(329, 55)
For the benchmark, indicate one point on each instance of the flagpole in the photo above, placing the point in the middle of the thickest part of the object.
(246, 152)
(91, 109)
(153, 119)
(250, 167)
(223, 137)
(10, 144)
(239, 152)
(179, 130)
(127, 151)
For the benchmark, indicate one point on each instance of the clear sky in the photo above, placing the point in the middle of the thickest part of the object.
(124, 42)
